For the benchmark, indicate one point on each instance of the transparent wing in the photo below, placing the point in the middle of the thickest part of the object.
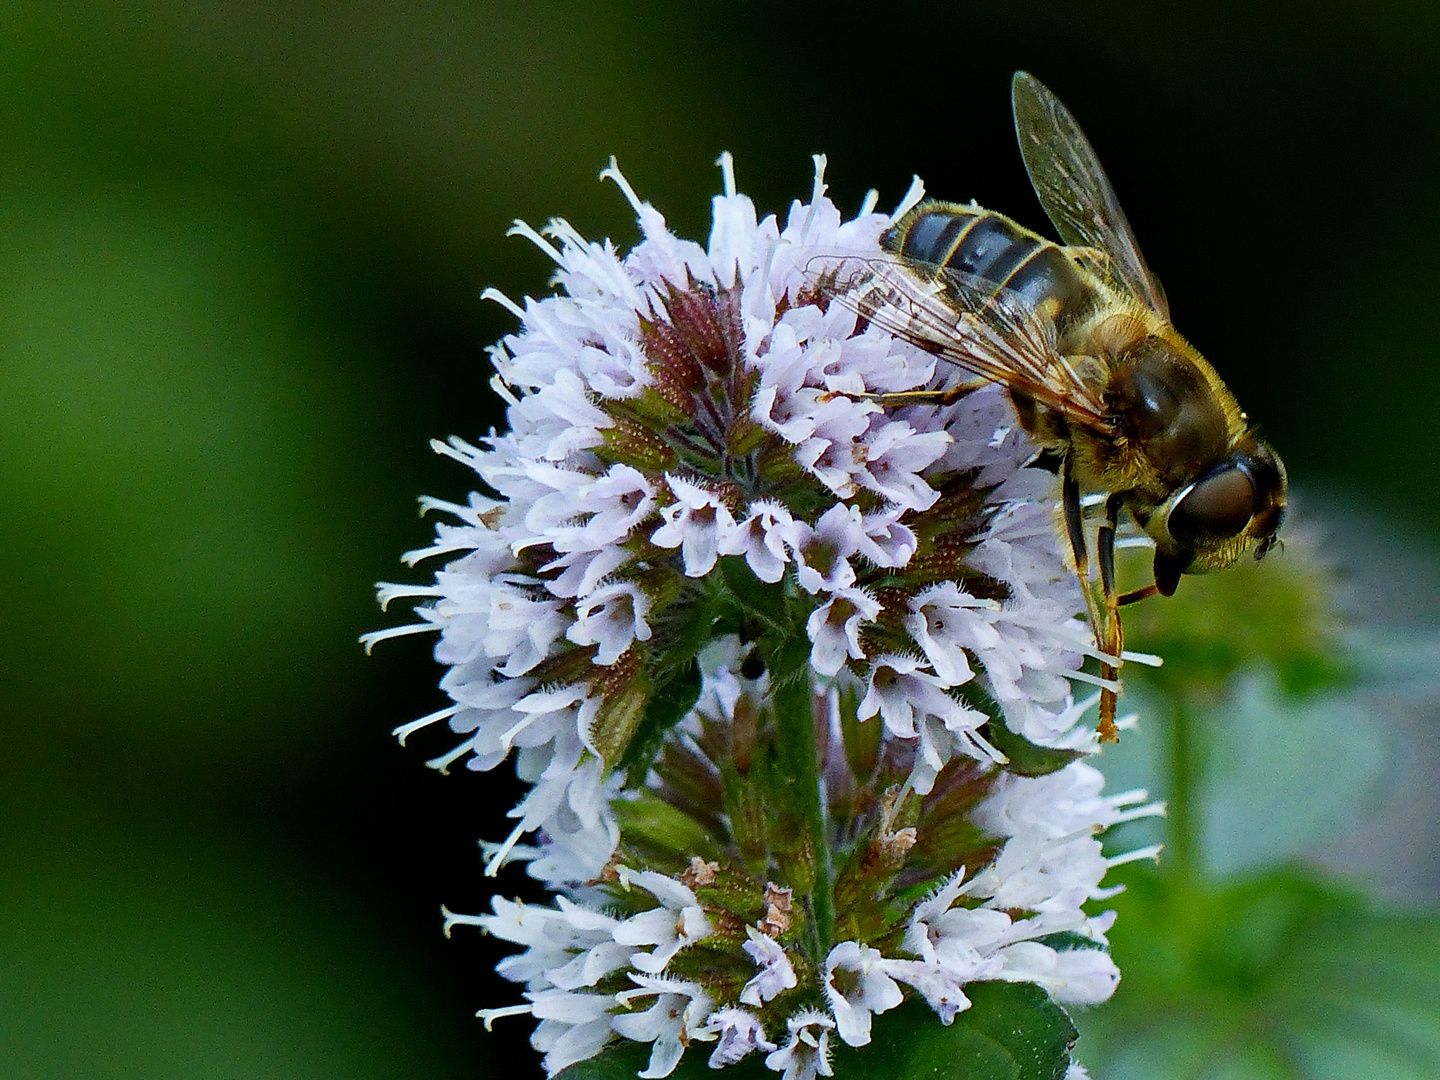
(965, 321)
(1075, 192)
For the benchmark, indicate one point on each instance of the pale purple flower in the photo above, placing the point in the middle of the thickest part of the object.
(807, 1054)
(776, 973)
(834, 628)
(611, 617)
(884, 539)
(945, 623)
(839, 535)
(617, 501)
(677, 922)
(895, 457)
(677, 1015)
(857, 985)
(738, 1032)
(941, 989)
(581, 572)
(572, 1027)
(900, 690)
(1075, 976)
(765, 538)
(695, 522)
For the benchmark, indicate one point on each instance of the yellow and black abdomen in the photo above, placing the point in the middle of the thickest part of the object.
(987, 246)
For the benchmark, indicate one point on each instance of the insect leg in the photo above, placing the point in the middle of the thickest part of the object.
(930, 397)
(1075, 530)
(1138, 594)
(1074, 522)
(1114, 642)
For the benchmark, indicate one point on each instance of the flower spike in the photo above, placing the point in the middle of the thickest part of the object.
(788, 667)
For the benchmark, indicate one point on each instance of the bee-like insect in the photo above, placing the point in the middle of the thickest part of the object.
(1081, 337)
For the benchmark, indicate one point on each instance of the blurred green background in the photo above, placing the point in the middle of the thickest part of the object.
(240, 253)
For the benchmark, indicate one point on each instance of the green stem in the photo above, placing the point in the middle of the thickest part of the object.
(796, 751)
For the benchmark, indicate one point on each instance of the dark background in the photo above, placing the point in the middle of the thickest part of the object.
(240, 253)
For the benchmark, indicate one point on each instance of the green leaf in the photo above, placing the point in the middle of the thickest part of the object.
(1013, 1031)
(1033, 1032)
(756, 599)
(621, 1061)
(620, 717)
(665, 834)
(1027, 759)
(1067, 940)
(1284, 977)
(668, 704)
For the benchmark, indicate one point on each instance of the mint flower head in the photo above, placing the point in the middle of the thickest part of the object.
(791, 670)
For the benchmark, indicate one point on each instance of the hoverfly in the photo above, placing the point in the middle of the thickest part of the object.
(1100, 379)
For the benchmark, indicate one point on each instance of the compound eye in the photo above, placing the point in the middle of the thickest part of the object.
(1216, 508)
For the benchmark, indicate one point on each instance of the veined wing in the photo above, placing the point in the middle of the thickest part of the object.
(1075, 191)
(967, 322)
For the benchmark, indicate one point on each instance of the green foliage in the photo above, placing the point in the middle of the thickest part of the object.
(176, 953)
(1276, 614)
(1257, 731)
(1281, 975)
(1263, 754)
(1013, 1031)
(1268, 755)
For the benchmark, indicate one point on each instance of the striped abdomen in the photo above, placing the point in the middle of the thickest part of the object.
(989, 246)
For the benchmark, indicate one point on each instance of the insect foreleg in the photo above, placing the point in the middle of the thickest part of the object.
(1135, 595)
(1099, 624)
